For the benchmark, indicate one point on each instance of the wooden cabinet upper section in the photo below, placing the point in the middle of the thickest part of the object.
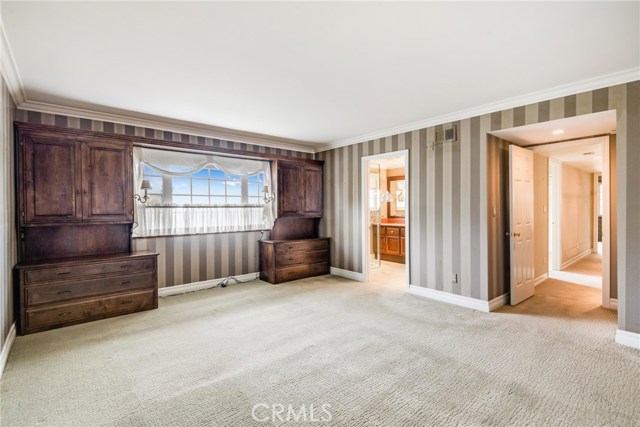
(65, 176)
(300, 189)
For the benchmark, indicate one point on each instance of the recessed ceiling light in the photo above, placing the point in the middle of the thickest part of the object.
(558, 132)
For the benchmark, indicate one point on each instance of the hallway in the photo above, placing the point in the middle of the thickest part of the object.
(586, 272)
(572, 293)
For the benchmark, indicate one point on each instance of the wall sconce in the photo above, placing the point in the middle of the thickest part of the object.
(386, 197)
(268, 196)
(146, 186)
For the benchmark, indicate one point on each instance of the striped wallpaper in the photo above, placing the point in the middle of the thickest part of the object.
(450, 213)
(183, 259)
(8, 245)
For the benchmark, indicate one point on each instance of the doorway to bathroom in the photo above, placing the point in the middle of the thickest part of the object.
(385, 240)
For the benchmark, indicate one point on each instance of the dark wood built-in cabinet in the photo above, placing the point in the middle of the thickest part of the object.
(63, 292)
(299, 189)
(75, 213)
(67, 179)
(295, 251)
(285, 260)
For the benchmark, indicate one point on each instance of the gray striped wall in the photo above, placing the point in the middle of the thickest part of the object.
(449, 214)
(8, 249)
(183, 259)
(188, 259)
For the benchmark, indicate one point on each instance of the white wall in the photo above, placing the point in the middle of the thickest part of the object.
(576, 215)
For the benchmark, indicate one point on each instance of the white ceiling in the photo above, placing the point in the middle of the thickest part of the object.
(571, 128)
(388, 163)
(314, 72)
(584, 154)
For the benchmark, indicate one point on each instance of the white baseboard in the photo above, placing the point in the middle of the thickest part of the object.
(630, 339)
(206, 284)
(540, 279)
(347, 274)
(499, 301)
(575, 259)
(467, 302)
(6, 348)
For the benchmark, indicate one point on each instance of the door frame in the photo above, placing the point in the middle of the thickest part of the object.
(607, 302)
(364, 214)
(606, 227)
(555, 214)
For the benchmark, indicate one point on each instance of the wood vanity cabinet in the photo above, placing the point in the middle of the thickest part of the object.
(392, 242)
(300, 189)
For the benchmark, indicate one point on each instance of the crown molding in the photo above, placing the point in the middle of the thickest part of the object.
(9, 70)
(166, 124)
(613, 79)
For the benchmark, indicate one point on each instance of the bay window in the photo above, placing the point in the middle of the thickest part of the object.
(195, 193)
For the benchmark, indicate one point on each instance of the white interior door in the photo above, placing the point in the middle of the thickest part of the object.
(521, 223)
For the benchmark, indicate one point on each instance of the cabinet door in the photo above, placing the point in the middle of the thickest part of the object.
(107, 182)
(393, 245)
(313, 190)
(289, 189)
(51, 181)
(402, 248)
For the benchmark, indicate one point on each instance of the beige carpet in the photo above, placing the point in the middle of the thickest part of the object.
(378, 357)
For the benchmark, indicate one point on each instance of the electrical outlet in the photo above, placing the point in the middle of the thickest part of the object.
(454, 278)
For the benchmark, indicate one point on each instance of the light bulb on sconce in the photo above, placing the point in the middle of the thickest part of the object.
(146, 186)
(268, 196)
(386, 197)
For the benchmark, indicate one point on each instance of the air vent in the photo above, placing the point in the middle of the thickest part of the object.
(447, 135)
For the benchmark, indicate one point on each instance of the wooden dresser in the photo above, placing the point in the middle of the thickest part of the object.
(392, 242)
(286, 260)
(75, 213)
(57, 293)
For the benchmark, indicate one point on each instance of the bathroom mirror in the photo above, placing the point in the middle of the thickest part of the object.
(396, 186)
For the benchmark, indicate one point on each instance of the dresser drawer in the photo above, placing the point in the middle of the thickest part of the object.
(302, 245)
(301, 271)
(72, 271)
(92, 309)
(294, 258)
(84, 288)
(402, 231)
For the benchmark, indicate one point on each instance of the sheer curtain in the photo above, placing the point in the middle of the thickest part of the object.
(171, 220)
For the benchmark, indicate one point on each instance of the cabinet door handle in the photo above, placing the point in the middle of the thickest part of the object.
(127, 283)
(126, 302)
(64, 292)
(63, 273)
(66, 313)
(125, 266)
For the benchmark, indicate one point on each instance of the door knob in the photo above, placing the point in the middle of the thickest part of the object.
(513, 234)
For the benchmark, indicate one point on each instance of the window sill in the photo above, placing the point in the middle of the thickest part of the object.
(201, 234)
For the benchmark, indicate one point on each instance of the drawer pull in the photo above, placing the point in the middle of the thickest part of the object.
(126, 302)
(127, 283)
(290, 259)
(125, 266)
(63, 273)
(64, 292)
(66, 313)
(290, 247)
